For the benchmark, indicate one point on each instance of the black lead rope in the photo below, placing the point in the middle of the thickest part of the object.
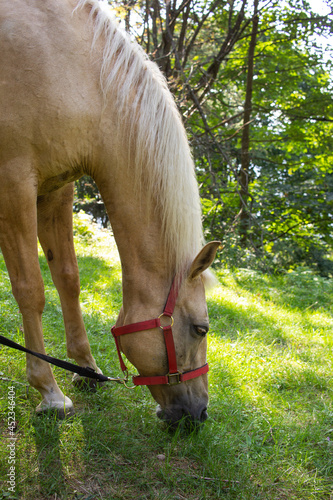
(80, 370)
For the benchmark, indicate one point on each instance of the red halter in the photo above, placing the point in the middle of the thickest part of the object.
(174, 376)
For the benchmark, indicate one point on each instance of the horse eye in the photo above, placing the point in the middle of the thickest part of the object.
(201, 330)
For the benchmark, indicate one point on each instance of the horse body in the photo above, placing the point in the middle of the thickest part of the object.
(48, 103)
(76, 96)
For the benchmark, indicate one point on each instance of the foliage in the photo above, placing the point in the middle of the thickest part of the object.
(269, 432)
(89, 200)
(281, 196)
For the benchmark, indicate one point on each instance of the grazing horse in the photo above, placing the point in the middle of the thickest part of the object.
(79, 97)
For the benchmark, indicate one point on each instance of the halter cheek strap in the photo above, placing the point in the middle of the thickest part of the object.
(173, 376)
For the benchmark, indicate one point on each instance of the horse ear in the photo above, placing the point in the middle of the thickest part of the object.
(204, 259)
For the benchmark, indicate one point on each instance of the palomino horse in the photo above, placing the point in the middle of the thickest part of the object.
(79, 97)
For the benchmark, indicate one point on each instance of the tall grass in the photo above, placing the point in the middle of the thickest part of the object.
(270, 428)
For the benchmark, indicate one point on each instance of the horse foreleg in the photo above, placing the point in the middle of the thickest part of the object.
(18, 241)
(55, 233)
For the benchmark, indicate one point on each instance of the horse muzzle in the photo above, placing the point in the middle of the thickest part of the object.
(182, 415)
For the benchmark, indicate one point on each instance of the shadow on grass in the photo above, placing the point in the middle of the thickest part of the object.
(127, 446)
(109, 450)
(51, 476)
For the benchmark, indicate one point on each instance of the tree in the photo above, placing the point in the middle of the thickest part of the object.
(245, 151)
(255, 92)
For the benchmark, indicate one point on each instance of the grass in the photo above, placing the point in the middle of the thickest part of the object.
(270, 428)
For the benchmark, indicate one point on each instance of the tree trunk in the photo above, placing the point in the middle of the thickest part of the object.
(245, 152)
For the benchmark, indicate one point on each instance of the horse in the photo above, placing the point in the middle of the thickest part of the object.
(78, 96)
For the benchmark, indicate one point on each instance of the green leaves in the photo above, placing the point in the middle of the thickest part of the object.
(282, 203)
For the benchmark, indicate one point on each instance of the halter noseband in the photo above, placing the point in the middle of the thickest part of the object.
(174, 376)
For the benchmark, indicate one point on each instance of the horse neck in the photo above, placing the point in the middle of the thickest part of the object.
(147, 269)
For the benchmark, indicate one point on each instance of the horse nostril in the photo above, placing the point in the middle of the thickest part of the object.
(177, 415)
(204, 415)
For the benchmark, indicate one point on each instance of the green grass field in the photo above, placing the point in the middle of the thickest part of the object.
(270, 429)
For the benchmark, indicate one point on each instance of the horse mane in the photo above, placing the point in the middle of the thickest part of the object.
(149, 118)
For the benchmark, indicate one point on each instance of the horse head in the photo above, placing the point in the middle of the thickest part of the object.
(173, 363)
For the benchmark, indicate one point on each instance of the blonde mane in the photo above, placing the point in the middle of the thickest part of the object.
(149, 118)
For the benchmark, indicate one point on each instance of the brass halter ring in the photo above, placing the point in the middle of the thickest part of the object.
(167, 316)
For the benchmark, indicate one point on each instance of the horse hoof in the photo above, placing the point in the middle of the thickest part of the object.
(85, 383)
(61, 409)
